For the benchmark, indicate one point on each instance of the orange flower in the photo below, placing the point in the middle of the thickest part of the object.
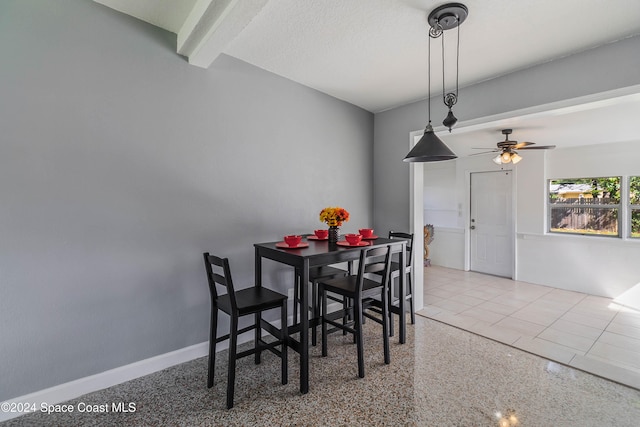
(334, 216)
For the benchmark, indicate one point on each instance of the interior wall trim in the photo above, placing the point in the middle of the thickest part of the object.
(451, 230)
(73, 389)
(76, 388)
(580, 103)
(580, 238)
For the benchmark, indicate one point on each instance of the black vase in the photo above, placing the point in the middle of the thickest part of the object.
(333, 234)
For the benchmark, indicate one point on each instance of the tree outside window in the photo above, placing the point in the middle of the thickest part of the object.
(589, 206)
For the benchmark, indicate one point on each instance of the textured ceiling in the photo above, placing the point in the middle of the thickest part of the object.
(373, 53)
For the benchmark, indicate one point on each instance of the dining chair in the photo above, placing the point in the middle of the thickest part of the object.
(316, 274)
(359, 289)
(394, 272)
(253, 300)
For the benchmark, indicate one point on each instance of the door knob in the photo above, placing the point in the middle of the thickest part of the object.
(473, 227)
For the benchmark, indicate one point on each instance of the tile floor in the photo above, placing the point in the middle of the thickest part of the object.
(583, 331)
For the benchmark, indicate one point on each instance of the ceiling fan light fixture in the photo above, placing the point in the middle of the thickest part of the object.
(508, 149)
(505, 157)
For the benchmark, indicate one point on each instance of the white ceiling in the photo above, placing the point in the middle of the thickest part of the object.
(373, 53)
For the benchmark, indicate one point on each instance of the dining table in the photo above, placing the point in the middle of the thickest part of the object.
(317, 253)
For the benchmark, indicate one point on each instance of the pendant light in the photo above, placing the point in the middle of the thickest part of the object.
(430, 148)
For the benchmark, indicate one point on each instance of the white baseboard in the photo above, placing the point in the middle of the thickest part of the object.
(73, 389)
(79, 387)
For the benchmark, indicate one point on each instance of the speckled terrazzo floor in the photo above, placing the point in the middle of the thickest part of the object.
(442, 376)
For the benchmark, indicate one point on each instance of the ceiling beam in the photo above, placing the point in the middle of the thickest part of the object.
(212, 25)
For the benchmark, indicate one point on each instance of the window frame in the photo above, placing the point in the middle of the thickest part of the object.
(631, 207)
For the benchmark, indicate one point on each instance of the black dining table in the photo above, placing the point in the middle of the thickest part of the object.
(321, 253)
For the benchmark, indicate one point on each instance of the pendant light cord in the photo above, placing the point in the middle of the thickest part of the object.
(444, 93)
(457, 57)
(453, 99)
(429, 78)
(434, 32)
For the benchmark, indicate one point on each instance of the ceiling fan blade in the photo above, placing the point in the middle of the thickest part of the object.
(484, 152)
(523, 144)
(539, 147)
(484, 148)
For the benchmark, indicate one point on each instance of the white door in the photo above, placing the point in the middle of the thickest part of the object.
(491, 223)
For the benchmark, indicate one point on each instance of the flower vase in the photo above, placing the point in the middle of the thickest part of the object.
(333, 234)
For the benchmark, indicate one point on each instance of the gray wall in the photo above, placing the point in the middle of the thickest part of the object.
(120, 164)
(597, 70)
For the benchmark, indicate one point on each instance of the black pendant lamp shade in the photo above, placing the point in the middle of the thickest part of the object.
(429, 149)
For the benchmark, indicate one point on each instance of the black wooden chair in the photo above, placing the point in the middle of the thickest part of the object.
(253, 300)
(358, 290)
(394, 272)
(316, 275)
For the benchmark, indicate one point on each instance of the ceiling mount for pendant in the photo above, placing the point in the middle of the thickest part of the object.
(448, 15)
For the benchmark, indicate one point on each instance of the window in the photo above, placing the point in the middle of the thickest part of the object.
(586, 206)
(634, 205)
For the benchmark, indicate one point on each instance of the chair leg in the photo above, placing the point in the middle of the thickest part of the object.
(231, 375)
(258, 337)
(385, 325)
(284, 336)
(390, 302)
(314, 313)
(359, 336)
(410, 289)
(352, 312)
(213, 334)
(323, 313)
(316, 310)
(346, 303)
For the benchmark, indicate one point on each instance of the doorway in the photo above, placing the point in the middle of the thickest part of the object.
(491, 223)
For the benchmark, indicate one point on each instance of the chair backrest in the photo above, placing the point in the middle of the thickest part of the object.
(409, 238)
(219, 273)
(370, 263)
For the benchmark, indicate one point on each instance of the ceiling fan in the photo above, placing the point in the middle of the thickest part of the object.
(508, 149)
